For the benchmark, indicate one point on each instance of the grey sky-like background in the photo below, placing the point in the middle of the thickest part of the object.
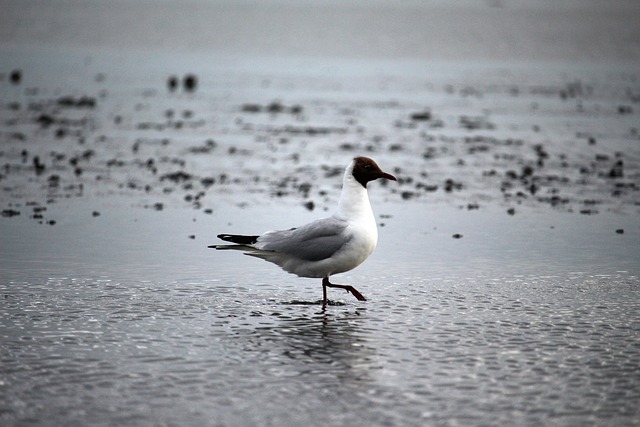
(568, 30)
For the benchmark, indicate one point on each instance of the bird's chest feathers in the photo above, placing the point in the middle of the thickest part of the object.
(365, 238)
(364, 235)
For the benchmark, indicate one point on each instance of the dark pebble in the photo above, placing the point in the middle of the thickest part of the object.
(176, 176)
(45, 120)
(8, 213)
(95, 214)
(172, 83)
(81, 102)
(427, 187)
(422, 116)
(554, 200)
(527, 171)
(15, 77)
(457, 236)
(406, 195)
(305, 188)
(275, 107)
(38, 165)
(208, 181)
(620, 231)
(511, 211)
(192, 236)
(588, 211)
(190, 82)
(617, 171)
(540, 151)
(450, 185)
(251, 108)
(310, 205)
(625, 109)
(511, 174)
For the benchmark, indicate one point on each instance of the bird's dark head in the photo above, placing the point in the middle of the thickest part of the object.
(365, 170)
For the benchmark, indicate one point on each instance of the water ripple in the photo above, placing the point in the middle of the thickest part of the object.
(526, 351)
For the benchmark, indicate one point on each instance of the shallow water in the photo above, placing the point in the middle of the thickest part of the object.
(526, 350)
(158, 329)
(115, 312)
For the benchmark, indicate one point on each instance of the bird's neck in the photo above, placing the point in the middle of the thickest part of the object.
(354, 200)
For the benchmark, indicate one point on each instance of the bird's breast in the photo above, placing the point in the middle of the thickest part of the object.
(365, 238)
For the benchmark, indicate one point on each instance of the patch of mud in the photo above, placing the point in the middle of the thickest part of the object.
(551, 140)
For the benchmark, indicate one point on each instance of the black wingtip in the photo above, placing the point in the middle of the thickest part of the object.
(241, 240)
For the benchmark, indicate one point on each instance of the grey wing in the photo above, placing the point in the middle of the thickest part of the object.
(315, 241)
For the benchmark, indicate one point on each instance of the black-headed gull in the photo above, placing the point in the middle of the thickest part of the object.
(326, 246)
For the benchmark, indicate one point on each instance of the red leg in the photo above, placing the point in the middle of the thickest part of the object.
(354, 291)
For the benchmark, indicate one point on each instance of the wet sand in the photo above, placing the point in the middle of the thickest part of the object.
(505, 280)
(550, 139)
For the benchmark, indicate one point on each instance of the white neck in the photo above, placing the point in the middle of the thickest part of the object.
(354, 199)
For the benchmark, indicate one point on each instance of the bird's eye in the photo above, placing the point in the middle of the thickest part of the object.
(367, 167)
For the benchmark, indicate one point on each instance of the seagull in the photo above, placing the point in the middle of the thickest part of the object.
(326, 246)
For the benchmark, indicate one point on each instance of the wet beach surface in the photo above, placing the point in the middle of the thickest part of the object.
(504, 289)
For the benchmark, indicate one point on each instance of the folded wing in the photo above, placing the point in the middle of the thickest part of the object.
(315, 241)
